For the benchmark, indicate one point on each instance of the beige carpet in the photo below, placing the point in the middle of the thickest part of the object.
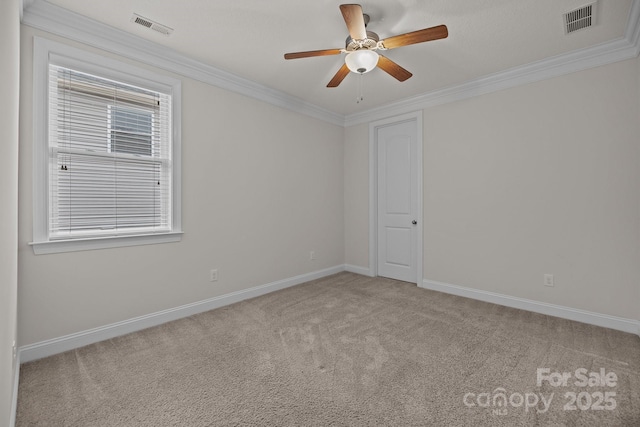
(345, 350)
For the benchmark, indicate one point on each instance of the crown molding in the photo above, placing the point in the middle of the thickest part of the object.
(56, 20)
(62, 22)
(621, 49)
(632, 35)
(607, 53)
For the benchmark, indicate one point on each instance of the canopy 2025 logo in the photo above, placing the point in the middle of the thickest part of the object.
(597, 400)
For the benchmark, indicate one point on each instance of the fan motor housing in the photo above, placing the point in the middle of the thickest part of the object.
(371, 42)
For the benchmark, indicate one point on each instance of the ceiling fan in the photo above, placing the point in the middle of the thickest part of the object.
(361, 46)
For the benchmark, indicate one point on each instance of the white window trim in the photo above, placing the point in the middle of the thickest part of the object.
(47, 50)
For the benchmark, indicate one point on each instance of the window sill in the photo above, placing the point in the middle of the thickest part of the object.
(73, 245)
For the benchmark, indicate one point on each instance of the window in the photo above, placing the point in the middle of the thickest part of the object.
(107, 167)
(130, 131)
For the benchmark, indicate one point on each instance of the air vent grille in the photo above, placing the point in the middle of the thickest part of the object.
(143, 22)
(580, 18)
(148, 23)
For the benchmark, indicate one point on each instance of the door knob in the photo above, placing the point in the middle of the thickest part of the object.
(414, 222)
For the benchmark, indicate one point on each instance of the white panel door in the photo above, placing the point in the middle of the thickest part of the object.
(397, 201)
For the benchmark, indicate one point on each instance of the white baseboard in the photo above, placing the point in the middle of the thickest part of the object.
(358, 270)
(14, 399)
(53, 346)
(604, 320)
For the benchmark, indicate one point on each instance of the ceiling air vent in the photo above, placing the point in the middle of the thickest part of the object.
(146, 22)
(580, 18)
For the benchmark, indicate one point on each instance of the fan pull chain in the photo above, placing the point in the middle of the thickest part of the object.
(360, 96)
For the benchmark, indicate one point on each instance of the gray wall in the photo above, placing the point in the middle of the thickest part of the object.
(541, 178)
(261, 187)
(9, 101)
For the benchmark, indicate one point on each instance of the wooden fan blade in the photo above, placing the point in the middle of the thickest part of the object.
(339, 77)
(324, 52)
(353, 17)
(393, 69)
(420, 36)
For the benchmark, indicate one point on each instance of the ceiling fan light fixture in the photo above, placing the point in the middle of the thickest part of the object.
(361, 61)
(361, 45)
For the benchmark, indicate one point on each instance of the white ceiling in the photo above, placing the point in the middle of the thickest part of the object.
(249, 38)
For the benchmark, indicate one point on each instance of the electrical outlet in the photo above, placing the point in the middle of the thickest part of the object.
(312, 256)
(213, 275)
(548, 280)
(15, 350)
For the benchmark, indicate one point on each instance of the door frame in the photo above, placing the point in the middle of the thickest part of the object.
(373, 190)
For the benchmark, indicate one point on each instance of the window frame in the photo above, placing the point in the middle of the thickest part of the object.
(46, 52)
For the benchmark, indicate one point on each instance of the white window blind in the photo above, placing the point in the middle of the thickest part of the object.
(110, 157)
